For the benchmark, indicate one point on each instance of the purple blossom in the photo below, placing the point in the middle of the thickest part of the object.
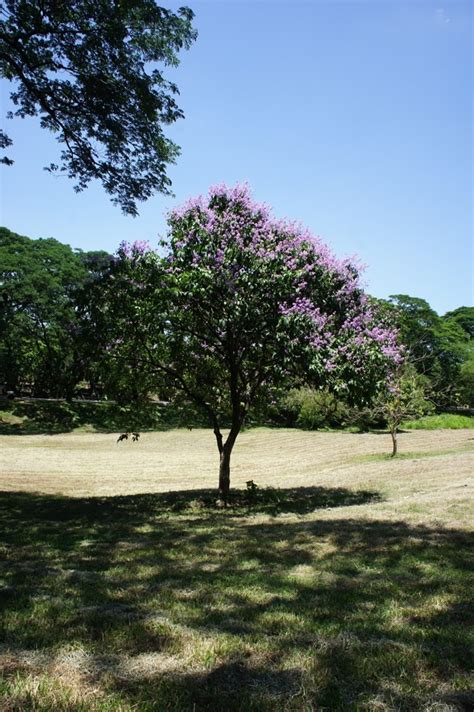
(235, 240)
(134, 249)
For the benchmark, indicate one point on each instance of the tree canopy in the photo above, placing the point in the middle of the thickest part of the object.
(437, 346)
(84, 68)
(240, 305)
(55, 302)
(464, 316)
(40, 338)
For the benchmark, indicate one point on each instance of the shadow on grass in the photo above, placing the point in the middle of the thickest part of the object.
(279, 614)
(269, 500)
(53, 417)
(43, 417)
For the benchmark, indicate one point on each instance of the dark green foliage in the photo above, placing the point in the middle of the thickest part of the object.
(311, 409)
(466, 381)
(437, 346)
(42, 416)
(464, 316)
(83, 67)
(38, 327)
(42, 345)
(52, 312)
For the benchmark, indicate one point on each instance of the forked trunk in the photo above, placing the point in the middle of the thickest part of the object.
(393, 433)
(225, 451)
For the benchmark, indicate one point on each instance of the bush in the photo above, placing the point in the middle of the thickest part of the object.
(311, 409)
(363, 420)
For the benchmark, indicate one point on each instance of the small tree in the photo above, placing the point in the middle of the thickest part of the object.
(404, 397)
(240, 306)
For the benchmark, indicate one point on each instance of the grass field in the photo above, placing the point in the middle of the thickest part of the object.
(342, 583)
(453, 421)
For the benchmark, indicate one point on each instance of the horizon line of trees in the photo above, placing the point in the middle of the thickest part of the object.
(48, 347)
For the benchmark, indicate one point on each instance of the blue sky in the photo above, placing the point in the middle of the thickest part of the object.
(353, 117)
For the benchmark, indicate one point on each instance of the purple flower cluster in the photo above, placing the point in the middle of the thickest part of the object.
(134, 249)
(236, 221)
(318, 322)
(239, 243)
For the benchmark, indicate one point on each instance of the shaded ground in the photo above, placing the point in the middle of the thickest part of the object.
(349, 589)
(169, 611)
(43, 416)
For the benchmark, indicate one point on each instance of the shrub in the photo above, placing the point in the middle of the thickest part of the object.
(310, 409)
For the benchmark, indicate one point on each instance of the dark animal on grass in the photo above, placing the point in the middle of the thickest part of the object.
(124, 436)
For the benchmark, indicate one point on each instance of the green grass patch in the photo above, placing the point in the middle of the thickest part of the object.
(449, 421)
(386, 457)
(163, 602)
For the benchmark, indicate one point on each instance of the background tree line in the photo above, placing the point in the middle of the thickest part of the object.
(49, 347)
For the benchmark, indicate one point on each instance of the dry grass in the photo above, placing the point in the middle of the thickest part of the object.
(350, 592)
(431, 482)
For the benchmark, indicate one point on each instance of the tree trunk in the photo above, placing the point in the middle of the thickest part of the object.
(225, 451)
(393, 433)
(224, 474)
(225, 448)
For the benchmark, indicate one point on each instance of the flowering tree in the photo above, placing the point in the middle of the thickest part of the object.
(241, 305)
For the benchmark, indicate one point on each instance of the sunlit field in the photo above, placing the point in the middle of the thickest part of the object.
(341, 582)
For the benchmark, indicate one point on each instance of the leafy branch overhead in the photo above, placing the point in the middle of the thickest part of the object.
(88, 69)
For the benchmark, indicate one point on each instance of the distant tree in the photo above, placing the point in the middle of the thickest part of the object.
(464, 316)
(96, 262)
(466, 381)
(83, 67)
(41, 343)
(436, 346)
(240, 306)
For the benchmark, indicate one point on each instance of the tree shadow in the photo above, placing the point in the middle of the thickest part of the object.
(274, 501)
(267, 500)
(53, 417)
(339, 614)
(44, 417)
